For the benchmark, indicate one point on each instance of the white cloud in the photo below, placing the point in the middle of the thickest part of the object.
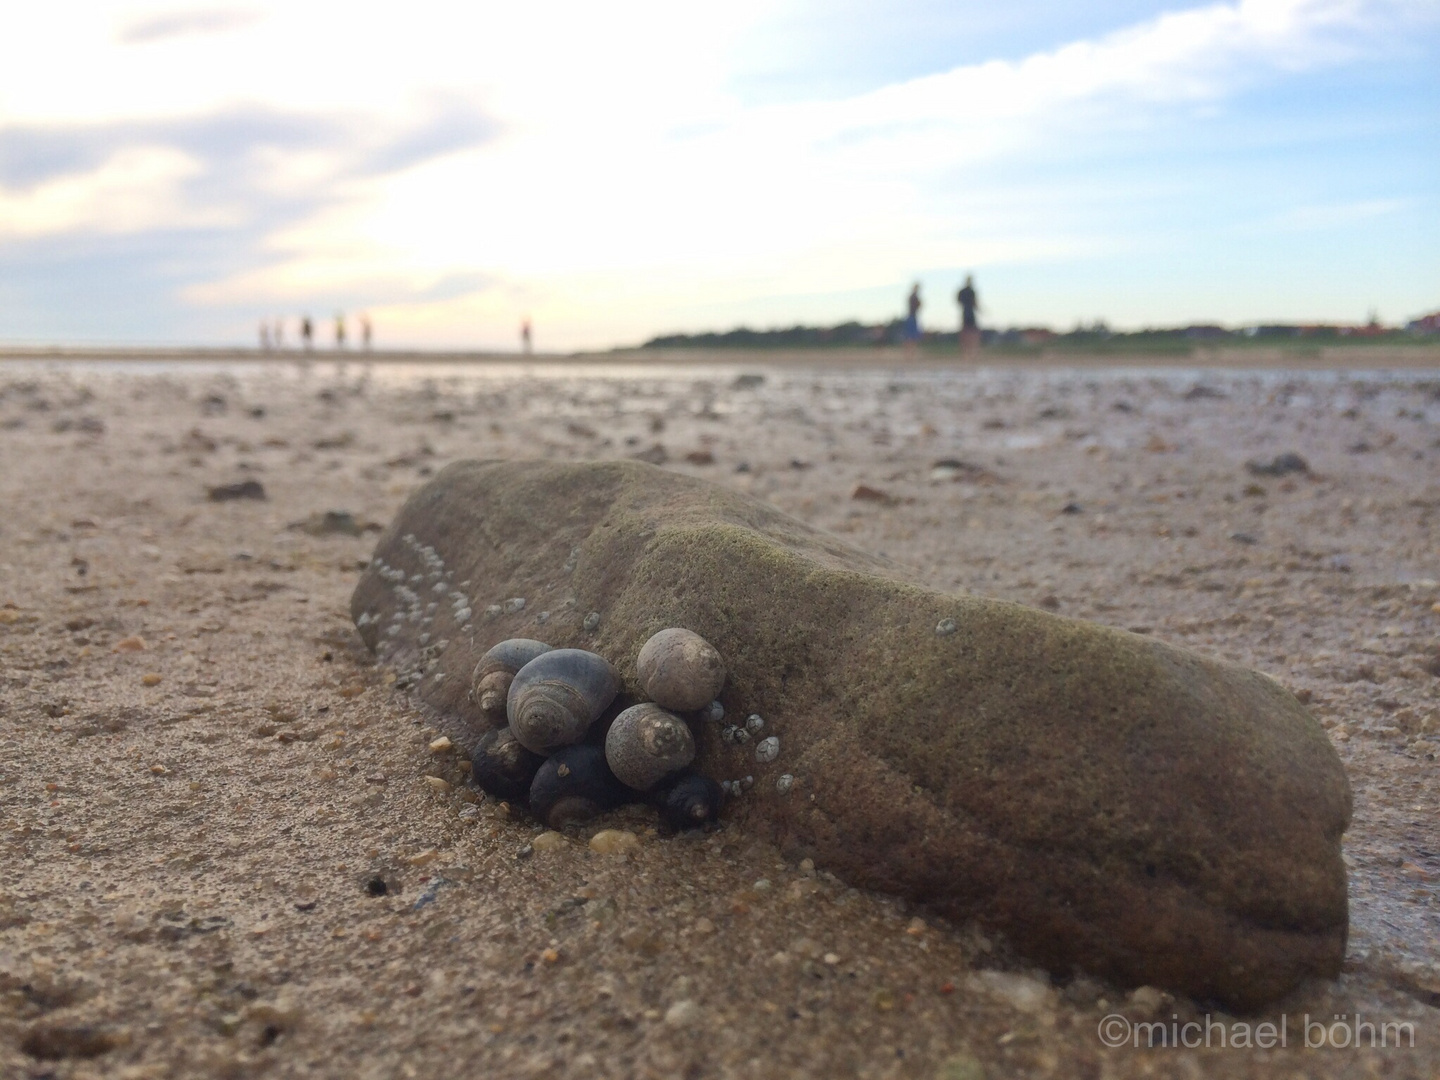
(135, 190)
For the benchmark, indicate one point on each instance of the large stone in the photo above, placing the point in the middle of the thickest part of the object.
(1109, 802)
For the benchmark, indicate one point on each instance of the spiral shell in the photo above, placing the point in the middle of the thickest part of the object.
(691, 802)
(496, 671)
(573, 786)
(501, 767)
(645, 744)
(557, 696)
(680, 670)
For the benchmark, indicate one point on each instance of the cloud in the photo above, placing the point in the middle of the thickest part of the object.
(184, 24)
(135, 190)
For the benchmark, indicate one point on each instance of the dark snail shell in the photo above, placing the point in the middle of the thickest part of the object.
(575, 785)
(557, 696)
(691, 802)
(680, 670)
(496, 671)
(645, 744)
(501, 767)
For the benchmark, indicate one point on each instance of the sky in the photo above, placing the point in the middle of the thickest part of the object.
(173, 174)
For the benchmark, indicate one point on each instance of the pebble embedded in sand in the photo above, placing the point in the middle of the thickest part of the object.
(614, 842)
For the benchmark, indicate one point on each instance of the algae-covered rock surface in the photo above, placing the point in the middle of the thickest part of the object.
(1111, 803)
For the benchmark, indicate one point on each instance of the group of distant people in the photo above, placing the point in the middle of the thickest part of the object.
(272, 334)
(969, 302)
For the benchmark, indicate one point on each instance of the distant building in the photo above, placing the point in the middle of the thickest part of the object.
(1426, 324)
(1206, 330)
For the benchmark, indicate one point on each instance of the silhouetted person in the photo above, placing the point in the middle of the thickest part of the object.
(525, 340)
(264, 336)
(307, 332)
(366, 331)
(339, 330)
(969, 304)
(911, 332)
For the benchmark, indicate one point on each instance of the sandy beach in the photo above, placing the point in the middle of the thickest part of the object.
(233, 848)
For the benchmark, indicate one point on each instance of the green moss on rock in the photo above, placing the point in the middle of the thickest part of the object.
(1107, 801)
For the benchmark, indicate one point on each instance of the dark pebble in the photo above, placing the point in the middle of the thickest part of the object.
(1281, 465)
(246, 489)
(52, 1042)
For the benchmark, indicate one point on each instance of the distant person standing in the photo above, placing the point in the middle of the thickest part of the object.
(339, 330)
(911, 331)
(307, 332)
(969, 304)
(366, 331)
(526, 344)
(264, 336)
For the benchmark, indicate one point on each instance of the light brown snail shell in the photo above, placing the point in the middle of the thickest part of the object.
(645, 744)
(496, 671)
(680, 670)
(555, 697)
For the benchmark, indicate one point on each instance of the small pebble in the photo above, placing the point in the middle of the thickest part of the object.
(767, 750)
(682, 1014)
(135, 643)
(440, 745)
(438, 784)
(614, 842)
(150, 679)
(549, 841)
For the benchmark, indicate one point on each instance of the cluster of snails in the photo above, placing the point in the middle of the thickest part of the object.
(566, 753)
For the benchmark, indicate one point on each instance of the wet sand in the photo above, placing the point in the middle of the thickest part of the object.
(204, 776)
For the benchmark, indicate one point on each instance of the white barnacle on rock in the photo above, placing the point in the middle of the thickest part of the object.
(945, 627)
(439, 586)
(463, 615)
(514, 605)
(783, 783)
(592, 621)
(754, 723)
(767, 749)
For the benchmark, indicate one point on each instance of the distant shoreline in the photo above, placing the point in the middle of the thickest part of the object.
(1416, 357)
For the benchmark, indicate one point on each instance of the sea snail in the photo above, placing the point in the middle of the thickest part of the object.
(501, 767)
(497, 669)
(680, 670)
(645, 744)
(574, 785)
(691, 802)
(557, 696)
